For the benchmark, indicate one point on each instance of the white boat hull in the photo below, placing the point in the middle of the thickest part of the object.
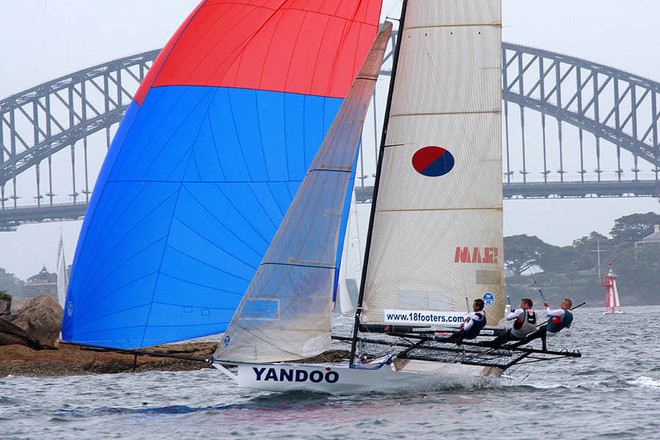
(342, 379)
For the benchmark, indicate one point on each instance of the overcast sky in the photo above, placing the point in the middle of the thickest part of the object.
(43, 39)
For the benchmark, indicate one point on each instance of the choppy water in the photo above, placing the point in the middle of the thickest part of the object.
(613, 391)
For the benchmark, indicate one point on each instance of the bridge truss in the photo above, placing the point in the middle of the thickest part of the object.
(572, 128)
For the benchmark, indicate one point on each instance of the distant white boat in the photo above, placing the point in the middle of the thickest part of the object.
(62, 273)
(612, 304)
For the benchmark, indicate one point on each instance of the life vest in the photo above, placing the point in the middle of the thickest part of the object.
(524, 324)
(558, 322)
(477, 325)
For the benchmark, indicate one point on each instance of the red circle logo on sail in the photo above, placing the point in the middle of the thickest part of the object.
(433, 161)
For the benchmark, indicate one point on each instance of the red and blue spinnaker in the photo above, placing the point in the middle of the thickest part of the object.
(205, 165)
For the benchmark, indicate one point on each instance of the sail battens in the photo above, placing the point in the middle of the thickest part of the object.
(310, 264)
(319, 264)
(333, 168)
(476, 112)
(461, 208)
(495, 24)
(367, 78)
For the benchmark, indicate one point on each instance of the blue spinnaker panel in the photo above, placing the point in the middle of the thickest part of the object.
(193, 193)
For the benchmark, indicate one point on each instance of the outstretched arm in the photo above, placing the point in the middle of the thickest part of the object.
(550, 312)
(514, 314)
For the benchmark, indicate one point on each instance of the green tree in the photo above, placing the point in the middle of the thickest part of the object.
(522, 252)
(558, 259)
(638, 269)
(631, 228)
(585, 251)
(572, 270)
(10, 284)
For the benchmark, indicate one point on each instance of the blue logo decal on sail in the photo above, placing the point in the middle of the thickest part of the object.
(260, 309)
(489, 299)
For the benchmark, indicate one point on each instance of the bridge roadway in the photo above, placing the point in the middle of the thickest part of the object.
(10, 219)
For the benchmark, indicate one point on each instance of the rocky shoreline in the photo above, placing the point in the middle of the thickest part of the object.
(18, 360)
(29, 346)
(72, 360)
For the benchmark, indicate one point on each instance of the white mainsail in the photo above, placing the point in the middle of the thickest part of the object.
(436, 235)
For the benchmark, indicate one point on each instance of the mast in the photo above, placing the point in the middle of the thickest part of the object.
(383, 138)
(598, 251)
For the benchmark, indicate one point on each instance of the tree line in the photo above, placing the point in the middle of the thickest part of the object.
(573, 271)
(10, 284)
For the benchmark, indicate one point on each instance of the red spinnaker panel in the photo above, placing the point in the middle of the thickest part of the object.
(260, 44)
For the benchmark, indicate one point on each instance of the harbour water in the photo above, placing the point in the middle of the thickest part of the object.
(613, 391)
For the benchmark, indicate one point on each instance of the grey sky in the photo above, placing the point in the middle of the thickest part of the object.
(44, 39)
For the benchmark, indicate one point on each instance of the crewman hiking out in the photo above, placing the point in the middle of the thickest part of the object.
(524, 324)
(558, 319)
(474, 322)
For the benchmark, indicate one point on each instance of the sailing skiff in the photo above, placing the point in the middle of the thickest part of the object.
(224, 200)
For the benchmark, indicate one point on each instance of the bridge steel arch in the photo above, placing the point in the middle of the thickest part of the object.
(617, 108)
(37, 123)
(614, 106)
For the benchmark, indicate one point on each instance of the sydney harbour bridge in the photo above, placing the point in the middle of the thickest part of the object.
(572, 128)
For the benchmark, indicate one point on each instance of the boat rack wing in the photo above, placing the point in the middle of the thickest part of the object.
(402, 330)
(427, 346)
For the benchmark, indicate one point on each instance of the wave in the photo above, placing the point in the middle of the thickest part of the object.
(646, 382)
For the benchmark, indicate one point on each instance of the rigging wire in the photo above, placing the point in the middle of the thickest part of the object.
(136, 353)
(538, 287)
